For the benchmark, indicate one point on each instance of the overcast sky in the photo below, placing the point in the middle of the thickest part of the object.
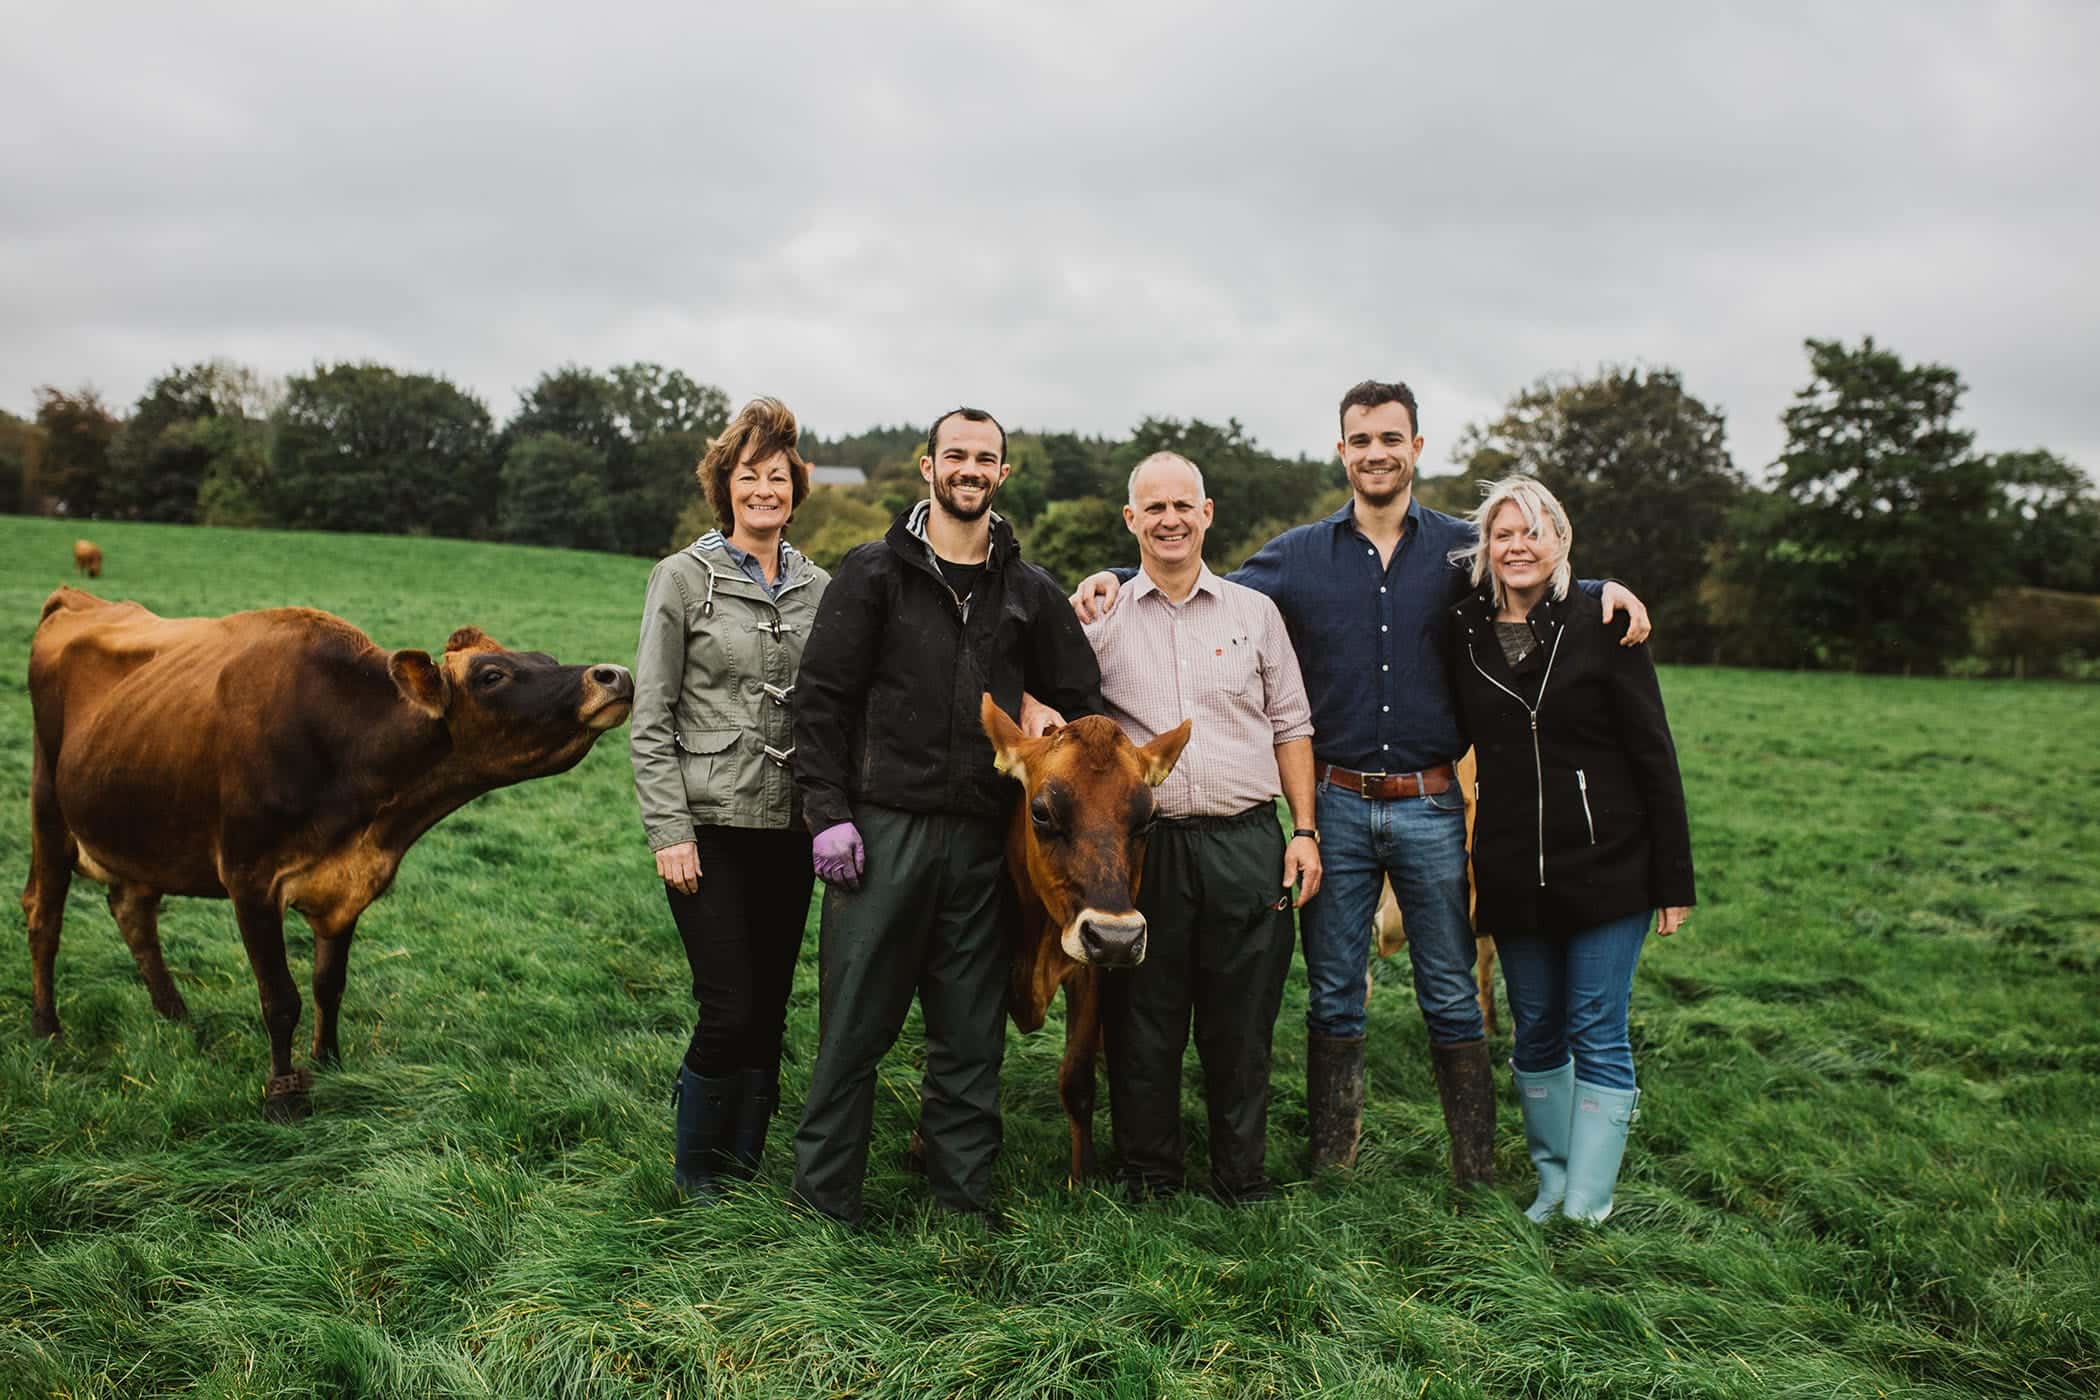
(1072, 214)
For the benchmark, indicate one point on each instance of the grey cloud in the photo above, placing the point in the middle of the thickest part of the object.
(1075, 215)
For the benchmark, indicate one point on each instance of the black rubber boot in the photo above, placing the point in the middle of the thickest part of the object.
(705, 1109)
(761, 1094)
(1334, 1098)
(1467, 1089)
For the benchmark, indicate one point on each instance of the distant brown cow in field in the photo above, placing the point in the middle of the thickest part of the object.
(1389, 935)
(87, 558)
(277, 759)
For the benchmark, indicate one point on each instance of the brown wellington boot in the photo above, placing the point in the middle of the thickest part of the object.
(1334, 1098)
(1468, 1093)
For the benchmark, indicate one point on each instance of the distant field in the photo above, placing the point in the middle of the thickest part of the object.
(1867, 1163)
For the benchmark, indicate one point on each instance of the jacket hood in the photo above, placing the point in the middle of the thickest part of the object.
(907, 536)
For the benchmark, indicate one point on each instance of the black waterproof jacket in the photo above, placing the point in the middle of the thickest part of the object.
(1581, 815)
(886, 703)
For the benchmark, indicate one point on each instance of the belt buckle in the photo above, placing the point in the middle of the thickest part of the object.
(1364, 781)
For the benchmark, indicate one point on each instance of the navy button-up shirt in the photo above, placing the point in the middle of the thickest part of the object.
(1370, 636)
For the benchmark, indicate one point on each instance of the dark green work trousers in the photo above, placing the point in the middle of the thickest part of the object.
(1217, 948)
(930, 917)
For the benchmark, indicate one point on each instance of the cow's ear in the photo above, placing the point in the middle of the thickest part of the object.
(1161, 754)
(1009, 749)
(421, 681)
(471, 639)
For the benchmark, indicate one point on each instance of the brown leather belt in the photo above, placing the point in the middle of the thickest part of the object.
(1428, 782)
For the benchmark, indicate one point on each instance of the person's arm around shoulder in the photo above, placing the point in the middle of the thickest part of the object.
(1290, 723)
(652, 741)
(1618, 598)
(1058, 665)
(1643, 730)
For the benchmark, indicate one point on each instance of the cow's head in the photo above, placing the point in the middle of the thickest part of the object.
(1088, 791)
(513, 714)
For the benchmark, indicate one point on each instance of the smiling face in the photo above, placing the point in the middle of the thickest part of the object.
(1379, 450)
(762, 495)
(967, 467)
(1168, 513)
(1521, 562)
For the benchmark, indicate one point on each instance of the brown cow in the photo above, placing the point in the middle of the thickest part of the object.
(1075, 849)
(87, 558)
(277, 759)
(1389, 933)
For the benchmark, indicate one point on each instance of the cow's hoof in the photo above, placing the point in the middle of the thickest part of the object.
(172, 1006)
(45, 1024)
(285, 1097)
(914, 1160)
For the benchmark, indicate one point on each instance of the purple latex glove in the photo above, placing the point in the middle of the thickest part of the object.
(839, 856)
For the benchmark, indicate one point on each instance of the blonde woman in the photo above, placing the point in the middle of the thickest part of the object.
(723, 627)
(1580, 840)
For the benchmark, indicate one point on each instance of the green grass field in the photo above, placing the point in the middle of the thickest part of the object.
(1866, 1165)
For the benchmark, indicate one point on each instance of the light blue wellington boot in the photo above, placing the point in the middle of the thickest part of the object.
(1596, 1146)
(1548, 1099)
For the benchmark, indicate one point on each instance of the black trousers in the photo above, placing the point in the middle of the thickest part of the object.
(1217, 952)
(741, 933)
(931, 917)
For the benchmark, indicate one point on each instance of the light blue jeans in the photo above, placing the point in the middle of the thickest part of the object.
(1420, 843)
(1569, 997)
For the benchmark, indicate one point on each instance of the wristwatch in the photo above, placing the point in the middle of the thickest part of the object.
(1307, 831)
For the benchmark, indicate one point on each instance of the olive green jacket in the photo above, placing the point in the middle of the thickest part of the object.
(714, 681)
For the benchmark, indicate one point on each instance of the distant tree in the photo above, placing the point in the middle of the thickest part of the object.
(2052, 520)
(1884, 529)
(21, 442)
(830, 522)
(647, 426)
(72, 466)
(1071, 468)
(162, 456)
(1074, 538)
(554, 494)
(1643, 469)
(364, 447)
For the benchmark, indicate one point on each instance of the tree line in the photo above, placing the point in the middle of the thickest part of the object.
(1881, 540)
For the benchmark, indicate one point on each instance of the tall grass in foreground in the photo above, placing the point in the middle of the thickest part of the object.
(1866, 1163)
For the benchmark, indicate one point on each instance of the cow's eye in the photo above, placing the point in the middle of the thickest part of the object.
(491, 678)
(1040, 816)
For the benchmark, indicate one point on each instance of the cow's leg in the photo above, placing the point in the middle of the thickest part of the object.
(262, 930)
(331, 967)
(52, 856)
(1484, 970)
(1075, 1076)
(137, 912)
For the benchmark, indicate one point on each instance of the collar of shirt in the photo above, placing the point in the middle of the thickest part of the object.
(754, 571)
(1345, 518)
(1206, 582)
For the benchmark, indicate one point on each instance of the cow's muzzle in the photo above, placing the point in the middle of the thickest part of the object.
(1106, 940)
(608, 695)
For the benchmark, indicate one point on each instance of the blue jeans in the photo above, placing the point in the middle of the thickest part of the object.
(1569, 997)
(1420, 843)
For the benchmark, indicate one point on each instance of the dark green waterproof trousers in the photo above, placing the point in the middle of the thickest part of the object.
(931, 916)
(1217, 951)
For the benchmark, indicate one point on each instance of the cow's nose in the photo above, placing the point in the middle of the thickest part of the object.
(615, 679)
(1113, 942)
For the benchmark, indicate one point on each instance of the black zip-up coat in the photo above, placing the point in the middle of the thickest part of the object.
(886, 702)
(1590, 825)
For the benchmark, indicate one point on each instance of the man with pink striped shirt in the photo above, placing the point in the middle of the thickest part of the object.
(1218, 877)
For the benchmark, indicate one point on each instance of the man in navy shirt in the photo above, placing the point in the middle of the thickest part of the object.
(1363, 594)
